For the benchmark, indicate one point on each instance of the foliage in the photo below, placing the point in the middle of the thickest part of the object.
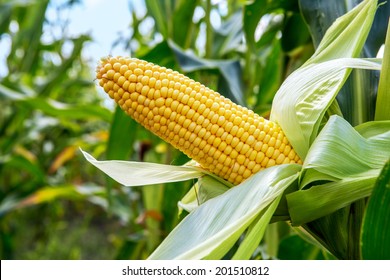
(50, 107)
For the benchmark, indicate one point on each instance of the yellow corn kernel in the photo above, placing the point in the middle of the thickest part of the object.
(224, 138)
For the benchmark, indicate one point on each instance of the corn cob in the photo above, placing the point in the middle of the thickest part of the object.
(226, 139)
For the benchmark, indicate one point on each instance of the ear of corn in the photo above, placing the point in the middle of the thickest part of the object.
(227, 139)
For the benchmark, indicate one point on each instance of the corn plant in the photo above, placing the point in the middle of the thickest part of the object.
(324, 198)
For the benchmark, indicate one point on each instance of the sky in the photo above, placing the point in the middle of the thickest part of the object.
(103, 20)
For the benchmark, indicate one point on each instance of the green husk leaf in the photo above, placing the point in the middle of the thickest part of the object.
(211, 229)
(347, 35)
(346, 160)
(318, 201)
(301, 102)
(374, 130)
(340, 151)
(132, 173)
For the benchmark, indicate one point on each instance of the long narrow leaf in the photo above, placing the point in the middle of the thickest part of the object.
(129, 173)
(318, 201)
(230, 70)
(256, 233)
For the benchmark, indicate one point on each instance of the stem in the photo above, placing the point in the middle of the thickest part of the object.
(168, 10)
(209, 31)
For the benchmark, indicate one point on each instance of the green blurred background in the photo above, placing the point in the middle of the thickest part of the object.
(53, 204)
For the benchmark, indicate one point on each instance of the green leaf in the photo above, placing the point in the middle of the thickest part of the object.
(375, 241)
(256, 9)
(377, 35)
(209, 187)
(122, 136)
(294, 247)
(31, 29)
(377, 130)
(318, 201)
(211, 229)
(270, 73)
(132, 173)
(57, 76)
(160, 54)
(230, 70)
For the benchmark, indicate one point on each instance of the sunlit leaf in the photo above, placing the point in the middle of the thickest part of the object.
(357, 96)
(64, 156)
(346, 36)
(230, 70)
(320, 14)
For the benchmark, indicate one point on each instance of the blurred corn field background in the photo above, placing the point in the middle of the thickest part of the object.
(53, 204)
